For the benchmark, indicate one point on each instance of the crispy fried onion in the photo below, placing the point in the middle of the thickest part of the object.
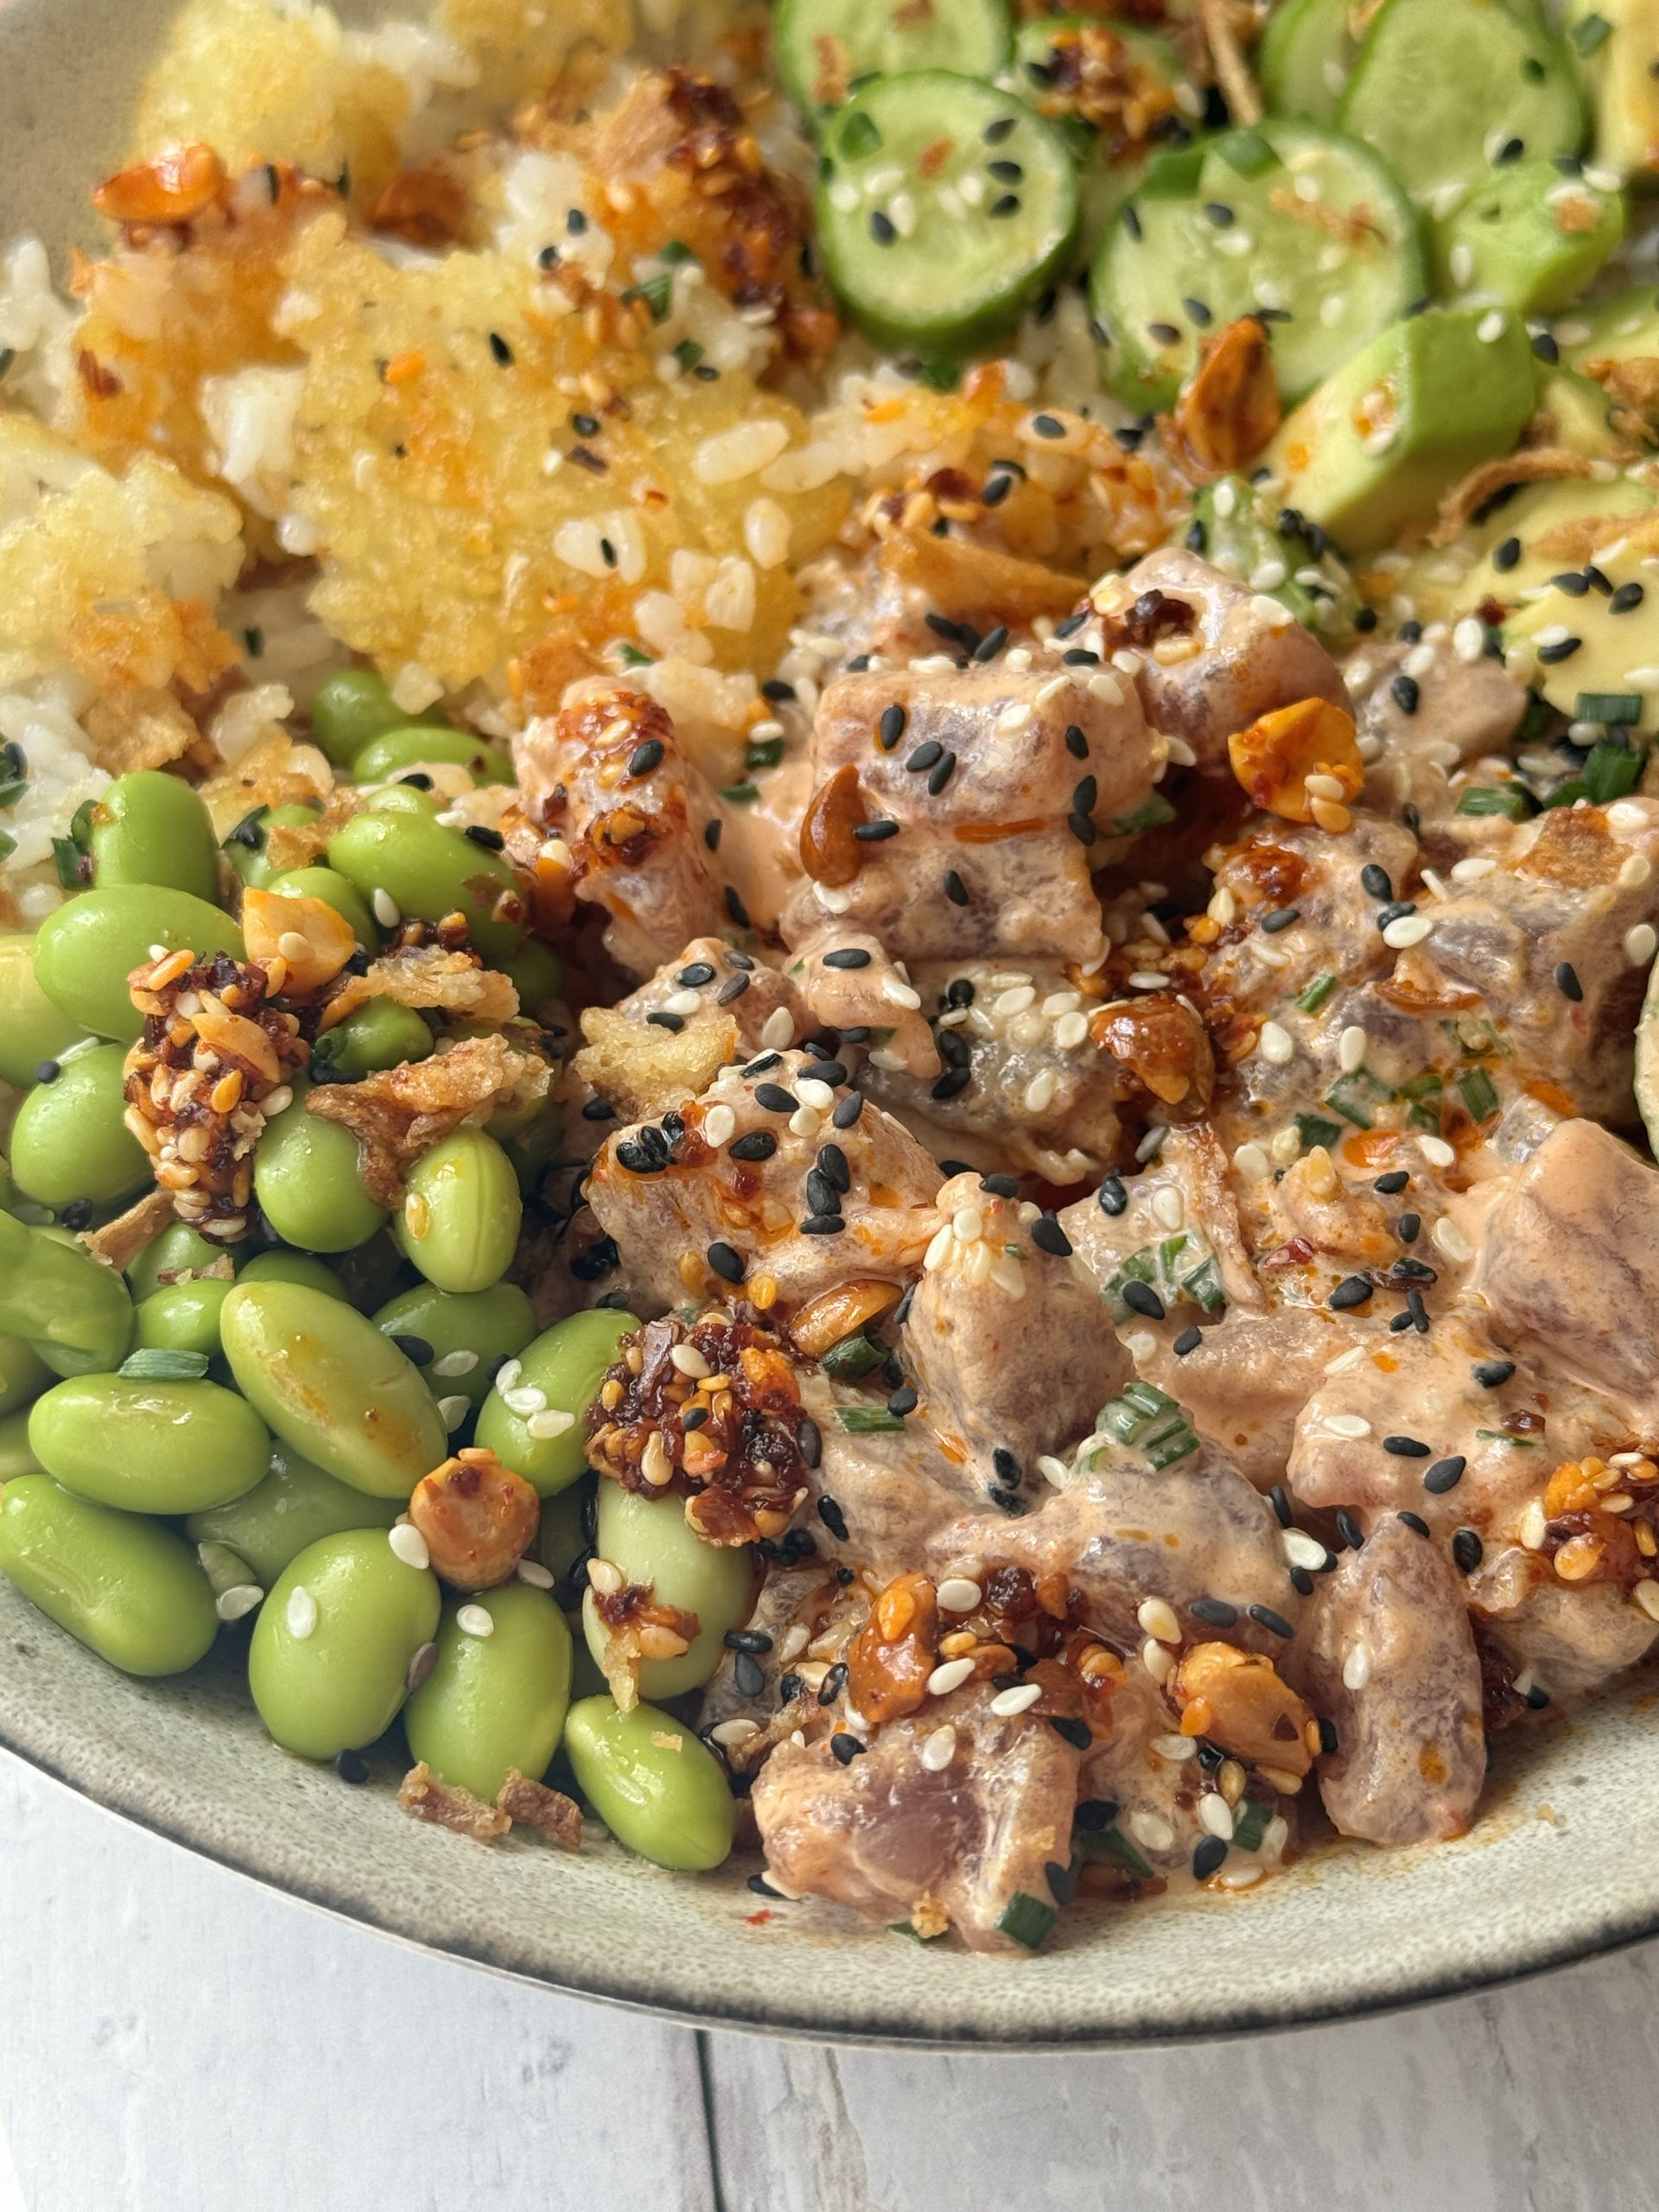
(119, 1242)
(214, 1062)
(422, 976)
(636, 1626)
(535, 1806)
(1532, 465)
(641, 1070)
(895, 1651)
(446, 1806)
(402, 1112)
(741, 1471)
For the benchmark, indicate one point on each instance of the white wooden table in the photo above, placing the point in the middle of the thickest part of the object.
(174, 2039)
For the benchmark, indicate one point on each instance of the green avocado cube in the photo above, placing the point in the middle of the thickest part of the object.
(1529, 236)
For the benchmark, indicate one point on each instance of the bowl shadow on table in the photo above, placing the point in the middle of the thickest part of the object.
(1554, 1871)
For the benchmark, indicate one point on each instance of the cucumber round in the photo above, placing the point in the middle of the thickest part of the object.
(824, 48)
(1305, 59)
(1106, 83)
(1440, 85)
(1218, 231)
(944, 207)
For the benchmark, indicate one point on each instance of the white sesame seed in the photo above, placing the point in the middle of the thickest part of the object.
(276, 1101)
(1436, 1151)
(938, 1749)
(455, 1363)
(523, 1402)
(550, 1423)
(1152, 1144)
(1350, 1049)
(1491, 327)
(689, 1360)
(1287, 1146)
(507, 1376)
(1345, 1360)
(1635, 872)
(1020, 1699)
(1419, 661)
(820, 1096)
(1646, 1594)
(956, 1594)
(240, 1598)
(1553, 633)
(779, 1029)
(1167, 1204)
(1238, 1878)
(1448, 1238)
(1534, 1525)
(1251, 1162)
(1147, 979)
(1159, 1661)
(408, 1544)
(1410, 929)
(728, 1734)
(1640, 945)
(1319, 786)
(1355, 1425)
(1357, 1667)
(951, 1676)
(385, 908)
(532, 1572)
(1276, 1045)
(1216, 1814)
(1303, 1550)
(719, 1123)
(1159, 1620)
(1039, 1091)
(1013, 717)
(1071, 1029)
(475, 1620)
(1461, 263)
(1469, 638)
(682, 1002)
(1152, 1829)
(453, 1410)
(1271, 612)
(302, 1611)
(1141, 1345)
(1175, 1751)
(1473, 869)
(1012, 1002)
(805, 1121)
(605, 1576)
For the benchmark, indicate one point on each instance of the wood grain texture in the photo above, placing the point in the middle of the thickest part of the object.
(173, 2039)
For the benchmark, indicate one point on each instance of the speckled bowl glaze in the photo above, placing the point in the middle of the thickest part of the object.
(1560, 1866)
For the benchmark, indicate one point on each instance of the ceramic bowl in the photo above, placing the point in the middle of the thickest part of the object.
(1559, 1866)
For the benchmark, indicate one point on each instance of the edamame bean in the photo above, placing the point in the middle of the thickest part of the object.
(460, 1223)
(151, 828)
(355, 706)
(329, 1384)
(428, 870)
(537, 973)
(306, 1178)
(32, 1029)
(126, 1587)
(397, 750)
(380, 1034)
(493, 1701)
(85, 950)
(561, 1538)
(183, 1316)
(248, 847)
(294, 1266)
(329, 1661)
(463, 1335)
(77, 1313)
(149, 1447)
(70, 1140)
(179, 1250)
(15, 1457)
(331, 886)
(547, 1444)
(404, 798)
(24, 1373)
(655, 1787)
(650, 1541)
(294, 1506)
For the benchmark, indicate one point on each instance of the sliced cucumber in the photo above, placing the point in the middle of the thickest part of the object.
(1305, 59)
(1110, 86)
(1529, 236)
(824, 48)
(1442, 86)
(1625, 327)
(1299, 222)
(944, 207)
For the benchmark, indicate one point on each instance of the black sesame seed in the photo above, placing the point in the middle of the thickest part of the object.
(845, 1748)
(1074, 1732)
(833, 1518)
(1275, 1623)
(1365, 620)
(924, 756)
(711, 834)
(937, 782)
(735, 908)
(47, 1071)
(697, 973)
(747, 1673)
(734, 988)
(1047, 426)
(77, 1215)
(830, 1072)
(876, 832)
(1141, 1298)
(1376, 881)
(1397, 911)
(1281, 917)
(1405, 694)
(1352, 1290)
(501, 350)
(1163, 333)
(1216, 1611)
(882, 229)
(1444, 1475)
(1048, 1237)
(831, 1164)
(1467, 1550)
(1348, 1529)
(1625, 599)
(1545, 348)
(1409, 1225)
(1085, 795)
(1082, 828)
(997, 489)
(952, 1083)
(992, 643)
(775, 1098)
(1008, 204)
(809, 1442)
(727, 1264)
(1567, 983)
(352, 1766)
(1328, 1738)
(1200, 313)
(646, 756)
(1220, 213)
(1414, 1522)
(902, 1402)
(1406, 1447)
(598, 1109)
(415, 1350)
(1508, 554)
(1551, 655)
(847, 955)
(1000, 1186)
(822, 1195)
(847, 1110)
(1392, 1183)
(1207, 1857)
(790, 1686)
(1189, 1340)
(1112, 1196)
(1492, 1374)
(955, 889)
(760, 1066)
(1006, 1466)
(1300, 1581)
(661, 1019)
(994, 133)
(1076, 743)
(1574, 585)
(1279, 1498)
(491, 840)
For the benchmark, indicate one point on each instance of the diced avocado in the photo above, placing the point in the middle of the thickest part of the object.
(1600, 648)
(1579, 411)
(1376, 445)
(1615, 43)
(1527, 235)
(1622, 327)
(1244, 533)
(1534, 536)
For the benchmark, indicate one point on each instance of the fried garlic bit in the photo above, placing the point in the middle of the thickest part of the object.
(1230, 410)
(1238, 1700)
(306, 935)
(478, 1519)
(1301, 762)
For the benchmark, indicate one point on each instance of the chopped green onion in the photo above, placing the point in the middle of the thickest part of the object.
(853, 1357)
(939, 372)
(1251, 1823)
(1354, 1096)
(869, 1421)
(739, 794)
(1419, 1087)
(1151, 814)
(1479, 1093)
(688, 354)
(154, 1365)
(1246, 152)
(1512, 799)
(860, 136)
(1313, 1129)
(1474, 1037)
(1612, 771)
(1586, 35)
(656, 292)
(1204, 1287)
(1112, 1843)
(631, 657)
(1615, 707)
(8, 846)
(1502, 1436)
(763, 752)
(71, 864)
(1026, 1919)
(1313, 996)
(674, 252)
